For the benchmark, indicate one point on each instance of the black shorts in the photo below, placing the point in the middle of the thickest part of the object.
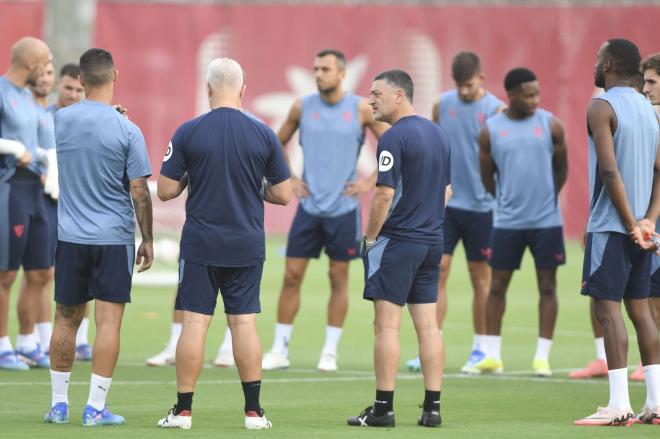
(25, 235)
(86, 272)
(474, 228)
(402, 272)
(339, 235)
(508, 247)
(615, 268)
(199, 285)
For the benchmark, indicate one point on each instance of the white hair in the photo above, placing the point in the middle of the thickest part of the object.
(225, 73)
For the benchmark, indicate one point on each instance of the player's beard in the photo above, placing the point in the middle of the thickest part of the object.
(328, 90)
(599, 77)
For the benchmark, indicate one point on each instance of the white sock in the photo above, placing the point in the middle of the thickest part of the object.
(619, 397)
(44, 332)
(59, 383)
(479, 342)
(83, 329)
(652, 378)
(98, 390)
(543, 346)
(5, 344)
(26, 342)
(282, 338)
(226, 343)
(175, 332)
(332, 336)
(600, 348)
(494, 347)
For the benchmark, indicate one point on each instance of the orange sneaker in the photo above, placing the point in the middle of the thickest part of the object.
(593, 369)
(638, 374)
(608, 416)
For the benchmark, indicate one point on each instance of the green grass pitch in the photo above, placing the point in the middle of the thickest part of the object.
(303, 403)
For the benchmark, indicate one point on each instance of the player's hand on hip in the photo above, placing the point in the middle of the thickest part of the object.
(357, 187)
(145, 256)
(299, 188)
(24, 159)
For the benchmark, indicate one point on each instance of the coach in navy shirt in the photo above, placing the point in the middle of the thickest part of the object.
(230, 163)
(404, 244)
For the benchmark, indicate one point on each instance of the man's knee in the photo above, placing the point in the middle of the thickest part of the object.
(338, 273)
(293, 277)
(7, 279)
(38, 277)
(70, 315)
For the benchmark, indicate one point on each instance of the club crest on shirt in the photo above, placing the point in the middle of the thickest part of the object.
(168, 153)
(385, 161)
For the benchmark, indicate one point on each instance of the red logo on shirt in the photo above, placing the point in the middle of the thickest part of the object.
(315, 115)
(18, 230)
(481, 117)
(538, 132)
(504, 133)
(452, 112)
(348, 116)
(14, 103)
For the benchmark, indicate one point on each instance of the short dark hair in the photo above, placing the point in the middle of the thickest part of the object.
(465, 66)
(71, 70)
(341, 58)
(651, 63)
(518, 76)
(624, 55)
(400, 79)
(97, 67)
(638, 82)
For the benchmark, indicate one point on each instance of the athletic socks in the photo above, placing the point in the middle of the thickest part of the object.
(652, 378)
(98, 391)
(44, 332)
(251, 391)
(183, 402)
(226, 342)
(5, 344)
(26, 342)
(479, 343)
(384, 402)
(600, 348)
(282, 337)
(494, 347)
(543, 346)
(332, 336)
(619, 397)
(83, 329)
(59, 383)
(431, 401)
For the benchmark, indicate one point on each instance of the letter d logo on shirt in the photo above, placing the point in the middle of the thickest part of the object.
(385, 161)
(168, 153)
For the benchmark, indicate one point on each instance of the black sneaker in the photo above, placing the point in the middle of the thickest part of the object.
(367, 419)
(430, 419)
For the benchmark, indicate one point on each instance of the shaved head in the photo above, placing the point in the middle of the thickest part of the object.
(32, 55)
(225, 75)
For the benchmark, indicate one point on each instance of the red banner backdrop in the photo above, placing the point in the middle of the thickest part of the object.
(18, 19)
(162, 51)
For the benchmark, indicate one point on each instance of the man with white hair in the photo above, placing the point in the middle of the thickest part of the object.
(24, 233)
(233, 164)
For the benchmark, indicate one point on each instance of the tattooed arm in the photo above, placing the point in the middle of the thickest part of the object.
(144, 214)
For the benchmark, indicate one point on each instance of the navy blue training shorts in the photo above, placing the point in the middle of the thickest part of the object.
(339, 235)
(474, 228)
(402, 272)
(508, 247)
(199, 285)
(85, 272)
(615, 268)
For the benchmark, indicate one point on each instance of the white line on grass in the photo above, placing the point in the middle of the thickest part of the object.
(511, 376)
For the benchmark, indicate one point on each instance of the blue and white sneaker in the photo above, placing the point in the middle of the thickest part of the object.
(470, 365)
(414, 365)
(92, 417)
(35, 358)
(59, 414)
(9, 361)
(84, 352)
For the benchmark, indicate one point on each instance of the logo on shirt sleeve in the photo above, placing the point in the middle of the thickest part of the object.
(168, 153)
(385, 161)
